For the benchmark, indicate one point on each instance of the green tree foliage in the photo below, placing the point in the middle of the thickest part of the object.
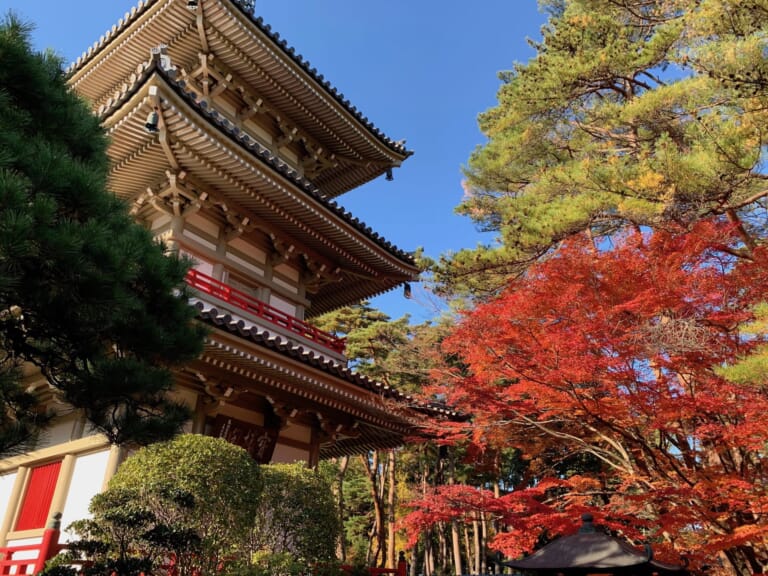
(631, 113)
(86, 295)
(374, 485)
(634, 119)
(751, 369)
(297, 515)
(20, 417)
(357, 512)
(395, 352)
(191, 501)
(371, 336)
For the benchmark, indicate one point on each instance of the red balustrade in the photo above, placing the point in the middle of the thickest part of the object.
(248, 303)
(45, 550)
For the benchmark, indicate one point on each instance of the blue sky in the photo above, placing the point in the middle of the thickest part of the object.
(421, 70)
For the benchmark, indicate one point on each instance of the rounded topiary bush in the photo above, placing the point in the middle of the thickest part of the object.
(203, 482)
(190, 501)
(297, 514)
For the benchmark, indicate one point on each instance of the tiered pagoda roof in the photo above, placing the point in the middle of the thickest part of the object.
(350, 148)
(253, 185)
(367, 414)
(246, 133)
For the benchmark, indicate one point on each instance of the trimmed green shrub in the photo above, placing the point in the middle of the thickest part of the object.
(297, 514)
(190, 502)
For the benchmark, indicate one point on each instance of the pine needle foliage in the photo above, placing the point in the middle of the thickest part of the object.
(86, 295)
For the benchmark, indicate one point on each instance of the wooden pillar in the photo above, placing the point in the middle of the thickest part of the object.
(10, 514)
(62, 486)
(177, 231)
(221, 254)
(78, 428)
(202, 407)
(116, 455)
(302, 295)
(314, 447)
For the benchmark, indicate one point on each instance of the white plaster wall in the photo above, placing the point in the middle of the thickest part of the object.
(282, 305)
(203, 224)
(287, 285)
(296, 432)
(249, 249)
(87, 481)
(6, 486)
(59, 432)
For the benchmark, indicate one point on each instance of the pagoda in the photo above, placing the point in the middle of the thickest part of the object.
(231, 148)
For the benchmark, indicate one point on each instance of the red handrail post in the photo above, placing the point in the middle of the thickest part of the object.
(49, 547)
(6, 562)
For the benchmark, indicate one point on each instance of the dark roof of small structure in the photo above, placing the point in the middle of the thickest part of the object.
(590, 549)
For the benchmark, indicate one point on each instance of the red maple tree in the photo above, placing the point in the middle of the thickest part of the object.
(610, 357)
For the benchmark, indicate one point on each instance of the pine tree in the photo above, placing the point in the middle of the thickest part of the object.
(632, 113)
(637, 122)
(86, 295)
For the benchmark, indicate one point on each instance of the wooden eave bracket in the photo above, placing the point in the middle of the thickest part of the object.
(257, 104)
(200, 22)
(162, 137)
(285, 412)
(282, 251)
(334, 430)
(317, 275)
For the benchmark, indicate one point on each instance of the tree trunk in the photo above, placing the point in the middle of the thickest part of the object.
(341, 548)
(476, 546)
(442, 541)
(391, 561)
(456, 542)
(377, 533)
(412, 563)
(483, 539)
(429, 556)
(467, 547)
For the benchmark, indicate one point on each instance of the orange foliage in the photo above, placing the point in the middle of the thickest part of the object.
(610, 354)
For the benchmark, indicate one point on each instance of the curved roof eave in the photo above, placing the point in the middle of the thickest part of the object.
(329, 366)
(265, 30)
(255, 150)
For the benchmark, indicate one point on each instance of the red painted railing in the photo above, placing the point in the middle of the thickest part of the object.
(46, 549)
(248, 303)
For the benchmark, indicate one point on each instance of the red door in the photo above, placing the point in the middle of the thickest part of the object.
(36, 503)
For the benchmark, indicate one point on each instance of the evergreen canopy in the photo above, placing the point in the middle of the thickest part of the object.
(86, 295)
(631, 113)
